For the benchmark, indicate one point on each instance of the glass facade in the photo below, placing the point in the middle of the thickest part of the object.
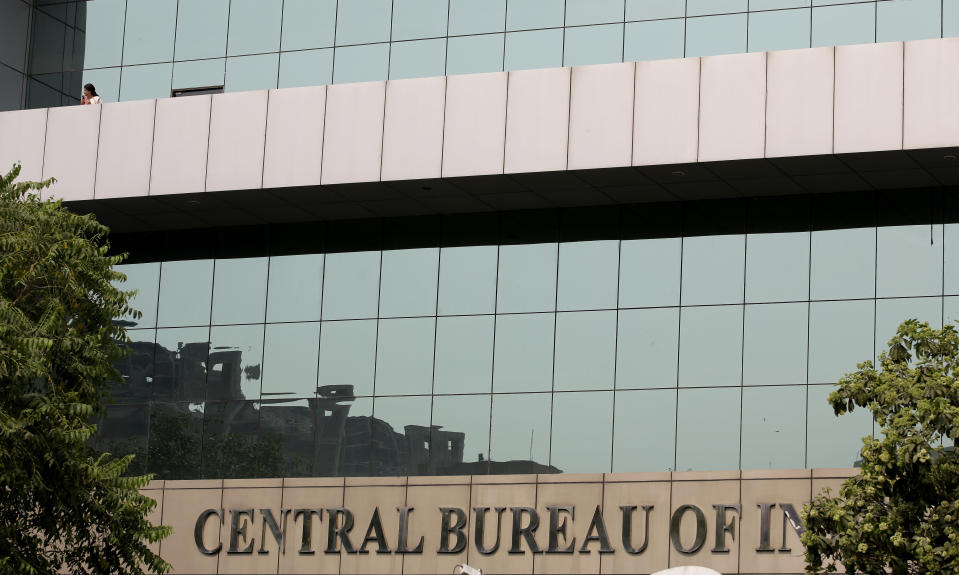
(696, 335)
(134, 49)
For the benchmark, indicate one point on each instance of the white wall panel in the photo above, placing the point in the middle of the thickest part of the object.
(237, 137)
(868, 98)
(537, 120)
(70, 154)
(601, 116)
(126, 149)
(666, 124)
(413, 130)
(22, 137)
(931, 107)
(475, 127)
(180, 142)
(799, 103)
(294, 137)
(732, 107)
(352, 145)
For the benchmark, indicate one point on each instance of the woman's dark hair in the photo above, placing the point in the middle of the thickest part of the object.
(90, 88)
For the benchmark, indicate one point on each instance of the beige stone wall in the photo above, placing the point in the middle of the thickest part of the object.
(182, 502)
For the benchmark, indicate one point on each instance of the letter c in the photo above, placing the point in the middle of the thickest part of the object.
(198, 531)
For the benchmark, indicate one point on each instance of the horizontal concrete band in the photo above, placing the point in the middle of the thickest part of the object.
(181, 503)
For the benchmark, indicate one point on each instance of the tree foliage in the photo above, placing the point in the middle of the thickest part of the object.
(901, 513)
(62, 505)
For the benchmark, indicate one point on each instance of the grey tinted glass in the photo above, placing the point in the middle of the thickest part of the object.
(582, 432)
(703, 7)
(306, 68)
(104, 34)
(148, 36)
(589, 45)
(254, 26)
(655, 9)
(892, 312)
(534, 49)
(779, 30)
(647, 348)
(107, 82)
(910, 261)
(351, 285)
(123, 431)
(840, 336)
(295, 288)
(654, 40)
(755, 5)
(400, 435)
(363, 21)
(719, 447)
(524, 353)
(409, 282)
(201, 29)
(308, 24)
(348, 355)
(579, 12)
(645, 430)
(367, 63)
(252, 72)
(585, 350)
(145, 82)
(833, 441)
(713, 269)
(239, 290)
(290, 358)
(186, 288)
(774, 348)
(843, 263)
(469, 415)
(709, 35)
(136, 368)
(527, 278)
(528, 14)
(419, 18)
(418, 59)
(950, 18)
(473, 17)
(950, 310)
(236, 362)
(838, 25)
(951, 258)
(774, 427)
(231, 427)
(710, 348)
(145, 279)
(467, 280)
(404, 356)
(777, 267)
(180, 363)
(351, 449)
(295, 442)
(474, 54)
(199, 73)
(649, 272)
(520, 427)
(175, 440)
(587, 275)
(908, 20)
(464, 355)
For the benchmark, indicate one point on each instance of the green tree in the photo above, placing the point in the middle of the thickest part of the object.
(901, 513)
(62, 505)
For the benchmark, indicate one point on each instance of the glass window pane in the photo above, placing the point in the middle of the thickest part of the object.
(414, 19)
(950, 311)
(404, 356)
(840, 337)
(366, 63)
(779, 30)
(418, 59)
(534, 49)
(351, 285)
(184, 290)
(106, 81)
(236, 360)
(849, 24)
(401, 435)
(834, 441)
(477, 17)
(710, 348)
(589, 45)
(291, 425)
(774, 427)
(136, 368)
(475, 54)
(777, 267)
(587, 275)
(524, 353)
(308, 24)
(467, 280)
(649, 272)
(892, 312)
(655, 9)
(951, 257)
(843, 263)
(583, 432)
(519, 434)
(704, 7)
(146, 82)
(910, 261)
(254, 26)
(306, 68)
(697, 449)
(199, 74)
(710, 35)
(201, 29)
(145, 279)
(296, 288)
(908, 20)
(290, 358)
(647, 348)
(950, 18)
(175, 440)
(775, 344)
(239, 290)
(363, 21)
(104, 33)
(756, 5)
(149, 31)
(580, 12)
(459, 444)
(529, 14)
(252, 72)
(527, 278)
(409, 282)
(180, 364)
(231, 428)
(645, 431)
(464, 355)
(585, 350)
(713, 268)
(342, 435)
(348, 355)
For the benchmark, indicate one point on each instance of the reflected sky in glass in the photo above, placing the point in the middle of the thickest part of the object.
(582, 432)
(645, 430)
